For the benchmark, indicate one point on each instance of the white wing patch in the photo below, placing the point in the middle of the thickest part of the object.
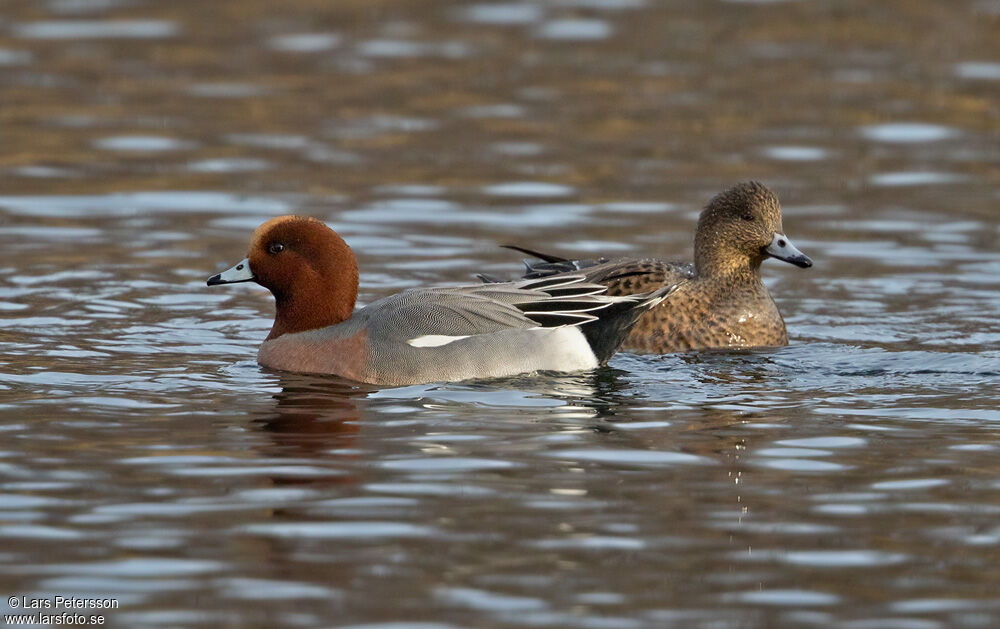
(434, 340)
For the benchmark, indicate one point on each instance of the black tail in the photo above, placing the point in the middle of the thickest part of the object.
(535, 254)
(608, 332)
(486, 278)
(547, 265)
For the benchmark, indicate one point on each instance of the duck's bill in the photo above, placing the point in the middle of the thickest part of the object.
(239, 273)
(783, 249)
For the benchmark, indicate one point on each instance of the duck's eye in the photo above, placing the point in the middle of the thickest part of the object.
(276, 248)
(747, 217)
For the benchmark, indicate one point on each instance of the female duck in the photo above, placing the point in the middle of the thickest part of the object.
(721, 301)
(558, 323)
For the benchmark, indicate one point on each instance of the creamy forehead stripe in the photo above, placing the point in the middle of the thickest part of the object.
(434, 340)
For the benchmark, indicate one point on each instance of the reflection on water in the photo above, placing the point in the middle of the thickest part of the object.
(94, 29)
(850, 479)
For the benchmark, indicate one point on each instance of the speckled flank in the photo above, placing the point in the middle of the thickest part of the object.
(707, 313)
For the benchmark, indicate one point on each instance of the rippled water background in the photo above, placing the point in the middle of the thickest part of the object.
(850, 480)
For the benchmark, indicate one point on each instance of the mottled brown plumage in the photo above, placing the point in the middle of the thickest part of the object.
(723, 303)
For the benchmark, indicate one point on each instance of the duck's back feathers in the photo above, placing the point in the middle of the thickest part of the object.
(622, 276)
(466, 311)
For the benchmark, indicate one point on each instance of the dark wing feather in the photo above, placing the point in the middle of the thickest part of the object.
(624, 276)
(536, 254)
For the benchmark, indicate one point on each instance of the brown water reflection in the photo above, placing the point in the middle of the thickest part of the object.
(848, 480)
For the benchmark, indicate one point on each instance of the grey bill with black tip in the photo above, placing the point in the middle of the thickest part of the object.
(239, 273)
(783, 249)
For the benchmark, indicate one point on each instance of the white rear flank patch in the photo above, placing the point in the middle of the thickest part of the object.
(434, 340)
(574, 352)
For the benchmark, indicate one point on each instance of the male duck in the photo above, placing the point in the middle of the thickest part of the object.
(557, 323)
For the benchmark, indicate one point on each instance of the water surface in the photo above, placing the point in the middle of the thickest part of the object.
(849, 480)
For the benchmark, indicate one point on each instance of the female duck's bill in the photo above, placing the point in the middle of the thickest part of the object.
(234, 275)
(782, 248)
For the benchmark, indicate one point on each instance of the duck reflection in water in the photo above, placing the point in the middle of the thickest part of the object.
(314, 415)
(326, 419)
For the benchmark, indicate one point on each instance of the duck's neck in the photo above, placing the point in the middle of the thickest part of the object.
(315, 302)
(734, 268)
